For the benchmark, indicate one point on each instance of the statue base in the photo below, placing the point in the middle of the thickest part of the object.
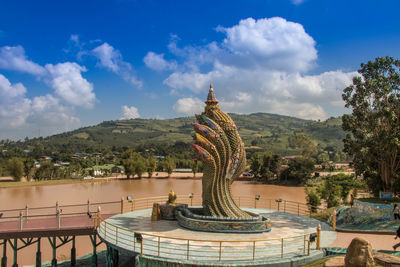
(192, 218)
(167, 210)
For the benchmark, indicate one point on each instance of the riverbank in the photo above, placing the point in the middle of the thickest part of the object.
(8, 182)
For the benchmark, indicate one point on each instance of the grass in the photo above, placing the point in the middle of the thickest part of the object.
(323, 215)
(60, 181)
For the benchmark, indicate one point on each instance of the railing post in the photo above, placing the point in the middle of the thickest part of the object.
(98, 219)
(187, 252)
(308, 249)
(220, 250)
(26, 211)
(304, 248)
(141, 248)
(282, 248)
(116, 236)
(334, 221)
(20, 221)
(298, 209)
(122, 205)
(254, 250)
(158, 246)
(58, 219)
(88, 207)
(318, 236)
(56, 206)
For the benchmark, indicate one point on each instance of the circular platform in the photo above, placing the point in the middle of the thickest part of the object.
(135, 233)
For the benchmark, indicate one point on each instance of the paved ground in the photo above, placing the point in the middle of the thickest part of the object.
(173, 241)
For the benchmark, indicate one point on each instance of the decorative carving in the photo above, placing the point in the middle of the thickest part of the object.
(219, 146)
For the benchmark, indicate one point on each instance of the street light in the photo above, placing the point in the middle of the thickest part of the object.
(191, 198)
(279, 200)
(257, 197)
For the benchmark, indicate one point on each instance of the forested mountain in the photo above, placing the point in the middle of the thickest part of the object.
(259, 131)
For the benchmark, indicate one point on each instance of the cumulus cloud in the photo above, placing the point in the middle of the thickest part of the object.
(189, 106)
(157, 62)
(260, 66)
(67, 82)
(129, 113)
(14, 58)
(21, 116)
(111, 59)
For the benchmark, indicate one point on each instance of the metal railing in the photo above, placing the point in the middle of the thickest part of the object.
(216, 250)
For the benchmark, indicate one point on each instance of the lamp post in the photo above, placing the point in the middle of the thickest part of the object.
(279, 200)
(191, 195)
(257, 197)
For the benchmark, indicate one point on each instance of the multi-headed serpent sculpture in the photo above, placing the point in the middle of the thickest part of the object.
(220, 148)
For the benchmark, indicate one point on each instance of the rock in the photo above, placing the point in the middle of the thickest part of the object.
(386, 259)
(359, 253)
(335, 262)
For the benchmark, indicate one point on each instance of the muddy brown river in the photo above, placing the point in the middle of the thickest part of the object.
(113, 190)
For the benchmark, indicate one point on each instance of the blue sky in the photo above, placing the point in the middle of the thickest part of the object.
(68, 64)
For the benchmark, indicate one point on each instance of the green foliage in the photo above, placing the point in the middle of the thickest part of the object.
(299, 170)
(169, 165)
(374, 124)
(265, 165)
(336, 189)
(16, 168)
(45, 171)
(313, 199)
(151, 166)
(306, 144)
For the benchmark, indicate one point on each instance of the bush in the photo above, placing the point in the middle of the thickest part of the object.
(313, 200)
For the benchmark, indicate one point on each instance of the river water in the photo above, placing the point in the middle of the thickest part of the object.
(113, 190)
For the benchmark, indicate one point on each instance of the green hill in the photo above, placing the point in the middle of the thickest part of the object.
(259, 131)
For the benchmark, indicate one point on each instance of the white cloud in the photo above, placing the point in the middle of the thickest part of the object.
(129, 113)
(260, 66)
(67, 82)
(111, 59)
(14, 58)
(21, 116)
(189, 106)
(157, 62)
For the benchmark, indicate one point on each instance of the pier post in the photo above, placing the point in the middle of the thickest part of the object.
(94, 256)
(15, 250)
(4, 258)
(54, 247)
(73, 252)
(38, 254)
(112, 257)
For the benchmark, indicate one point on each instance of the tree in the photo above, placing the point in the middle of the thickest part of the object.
(255, 165)
(299, 170)
(45, 171)
(15, 168)
(139, 165)
(374, 124)
(151, 166)
(169, 165)
(28, 166)
(306, 144)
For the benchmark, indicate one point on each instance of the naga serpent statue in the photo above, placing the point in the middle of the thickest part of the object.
(220, 148)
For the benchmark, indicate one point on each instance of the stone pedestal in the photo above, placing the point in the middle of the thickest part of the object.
(167, 210)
